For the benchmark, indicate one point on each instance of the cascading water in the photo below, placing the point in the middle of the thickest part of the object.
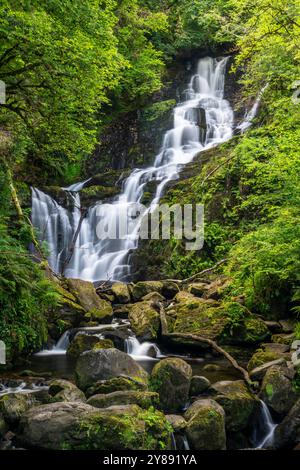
(203, 120)
(60, 347)
(139, 350)
(264, 433)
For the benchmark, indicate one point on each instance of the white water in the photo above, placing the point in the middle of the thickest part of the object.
(252, 113)
(21, 388)
(267, 428)
(100, 259)
(60, 347)
(141, 351)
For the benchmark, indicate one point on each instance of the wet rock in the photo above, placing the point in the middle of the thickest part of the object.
(154, 297)
(115, 384)
(105, 364)
(82, 343)
(274, 326)
(128, 397)
(169, 289)
(122, 311)
(212, 367)
(144, 320)
(121, 292)
(238, 403)
(171, 378)
(62, 390)
(277, 391)
(142, 288)
(275, 347)
(199, 384)
(205, 429)
(287, 433)
(79, 426)
(14, 405)
(177, 422)
(288, 326)
(283, 338)
(85, 293)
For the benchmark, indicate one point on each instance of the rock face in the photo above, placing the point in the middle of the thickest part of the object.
(144, 320)
(198, 385)
(78, 426)
(121, 292)
(142, 399)
(82, 343)
(106, 364)
(84, 291)
(205, 429)
(277, 391)
(62, 390)
(287, 433)
(171, 378)
(238, 403)
(142, 288)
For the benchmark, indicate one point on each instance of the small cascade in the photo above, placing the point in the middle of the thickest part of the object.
(185, 443)
(264, 434)
(252, 113)
(203, 119)
(22, 387)
(60, 347)
(139, 350)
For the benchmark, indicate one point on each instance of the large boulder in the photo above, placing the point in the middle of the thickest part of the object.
(287, 433)
(106, 364)
(238, 402)
(277, 391)
(131, 397)
(14, 405)
(82, 343)
(79, 426)
(227, 323)
(142, 288)
(171, 378)
(144, 320)
(63, 390)
(205, 429)
(97, 309)
(121, 292)
(115, 384)
(199, 385)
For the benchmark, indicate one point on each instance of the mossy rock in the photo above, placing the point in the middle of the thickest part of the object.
(277, 391)
(85, 293)
(239, 404)
(14, 405)
(79, 426)
(127, 397)
(261, 357)
(171, 378)
(142, 288)
(205, 429)
(199, 384)
(121, 292)
(116, 384)
(83, 342)
(144, 320)
(93, 194)
(286, 339)
(63, 390)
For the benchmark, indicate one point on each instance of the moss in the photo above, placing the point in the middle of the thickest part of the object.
(116, 384)
(158, 110)
(144, 319)
(262, 357)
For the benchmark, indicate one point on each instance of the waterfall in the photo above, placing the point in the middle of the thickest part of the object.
(202, 120)
(264, 435)
(252, 113)
(139, 350)
(60, 347)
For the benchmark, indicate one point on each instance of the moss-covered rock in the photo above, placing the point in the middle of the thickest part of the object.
(205, 429)
(287, 433)
(142, 288)
(63, 390)
(261, 357)
(79, 426)
(128, 397)
(83, 342)
(284, 338)
(199, 384)
(116, 384)
(85, 293)
(277, 391)
(106, 364)
(121, 292)
(93, 194)
(197, 288)
(177, 422)
(171, 378)
(14, 405)
(144, 320)
(238, 402)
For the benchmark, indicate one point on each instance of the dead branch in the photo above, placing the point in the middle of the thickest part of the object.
(198, 275)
